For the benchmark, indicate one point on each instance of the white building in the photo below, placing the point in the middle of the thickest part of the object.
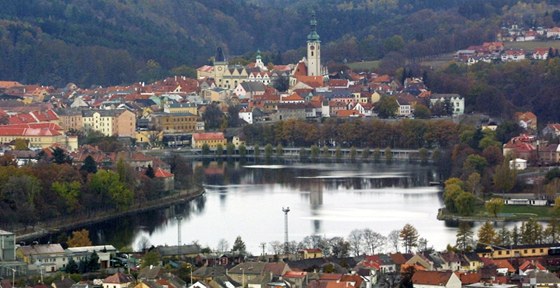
(457, 102)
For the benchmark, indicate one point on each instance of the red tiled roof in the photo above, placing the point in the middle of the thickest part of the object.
(118, 278)
(208, 136)
(469, 278)
(295, 274)
(330, 277)
(436, 278)
(160, 173)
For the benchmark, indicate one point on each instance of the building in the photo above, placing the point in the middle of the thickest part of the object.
(118, 280)
(45, 257)
(70, 119)
(7, 246)
(103, 251)
(212, 139)
(175, 122)
(117, 122)
(456, 101)
(39, 135)
(433, 279)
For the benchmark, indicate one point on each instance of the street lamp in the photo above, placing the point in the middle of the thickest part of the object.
(286, 244)
(13, 277)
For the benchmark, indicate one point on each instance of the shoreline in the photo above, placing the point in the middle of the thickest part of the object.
(44, 228)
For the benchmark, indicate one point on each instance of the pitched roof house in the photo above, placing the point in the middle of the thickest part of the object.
(433, 279)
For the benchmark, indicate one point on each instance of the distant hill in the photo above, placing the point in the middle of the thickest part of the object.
(110, 42)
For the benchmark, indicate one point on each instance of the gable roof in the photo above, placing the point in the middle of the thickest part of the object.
(119, 278)
(435, 278)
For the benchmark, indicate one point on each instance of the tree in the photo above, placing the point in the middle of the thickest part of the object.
(387, 107)
(223, 246)
(394, 239)
(230, 149)
(205, 149)
(504, 177)
(242, 150)
(409, 237)
(71, 267)
(388, 155)
(464, 236)
(60, 156)
(151, 258)
(268, 150)
(150, 172)
(494, 206)
(373, 240)
(465, 203)
(472, 184)
(89, 166)
(279, 150)
(79, 238)
(238, 245)
(355, 240)
(219, 150)
(422, 112)
(487, 234)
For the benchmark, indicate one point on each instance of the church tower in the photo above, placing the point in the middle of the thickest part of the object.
(220, 67)
(313, 49)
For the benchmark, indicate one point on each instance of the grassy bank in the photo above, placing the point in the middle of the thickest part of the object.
(508, 213)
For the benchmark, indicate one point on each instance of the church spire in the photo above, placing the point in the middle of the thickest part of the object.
(313, 36)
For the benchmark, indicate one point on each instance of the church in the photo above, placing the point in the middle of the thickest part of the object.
(228, 76)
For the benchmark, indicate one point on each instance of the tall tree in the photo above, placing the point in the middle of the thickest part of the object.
(464, 236)
(373, 240)
(504, 177)
(409, 237)
(89, 166)
(487, 234)
(355, 239)
(239, 245)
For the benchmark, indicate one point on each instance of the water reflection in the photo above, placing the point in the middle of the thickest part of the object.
(325, 199)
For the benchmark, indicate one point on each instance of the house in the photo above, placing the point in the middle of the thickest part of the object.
(41, 135)
(406, 104)
(538, 278)
(8, 246)
(549, 154)
(456, 101)
(518, 164)
(174, 122)
(212, 139)
(249, 89)
(117, 122)
(513, 55)
(166, 178)
(540, 54)
(551, 130)
(527, 120)
(432, 279)
(119, 280)
(104, 252)
(63, 283)
(46, 257)
(311, 253)
(297, 279)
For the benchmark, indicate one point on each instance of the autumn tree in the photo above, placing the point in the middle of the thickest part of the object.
(409, 237)
(487, 234)
(79, 238)
(494, 206)
(504, 177)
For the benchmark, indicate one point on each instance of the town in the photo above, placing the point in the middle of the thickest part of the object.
(110, 135)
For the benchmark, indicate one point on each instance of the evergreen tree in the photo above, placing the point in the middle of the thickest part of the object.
(89, 166)
(239, 245)
(409, 237)
(464, 236)
(150, 172)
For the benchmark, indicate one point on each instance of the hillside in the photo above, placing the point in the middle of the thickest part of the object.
(110, 42)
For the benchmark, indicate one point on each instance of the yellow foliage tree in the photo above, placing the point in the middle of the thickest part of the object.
(79, 238)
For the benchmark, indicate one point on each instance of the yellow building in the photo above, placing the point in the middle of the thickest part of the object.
(70, 119)
(39, 135)
(211, 139)
(174, 122)
(182, 108)
(118, 122)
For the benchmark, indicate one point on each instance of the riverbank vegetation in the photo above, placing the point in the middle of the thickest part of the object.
(54, 188)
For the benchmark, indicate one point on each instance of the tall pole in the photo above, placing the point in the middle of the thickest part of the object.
(13, 277)
(286, 244)
(179, 218)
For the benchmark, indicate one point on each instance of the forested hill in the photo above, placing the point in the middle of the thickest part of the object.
(111, 41)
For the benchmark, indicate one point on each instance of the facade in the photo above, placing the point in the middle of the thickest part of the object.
(457, 102)
(181, 108)
(39, 135)
(103, 251)
(70, 119)
(211, 139)
(174, 122)
(118, 122)
(7, 246)
(48, 257)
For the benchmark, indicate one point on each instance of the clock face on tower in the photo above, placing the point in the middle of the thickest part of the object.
(312, 47)
(219, 68)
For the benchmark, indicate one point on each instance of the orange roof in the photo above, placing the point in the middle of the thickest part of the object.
(330, 277)
(504, 263)
(436, 278)
(295, 274)
(161, 173)
(348, 113)
(9, 84)
(469, 278)
(293, 97)
(313, 81)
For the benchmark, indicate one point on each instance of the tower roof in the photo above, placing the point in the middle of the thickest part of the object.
(313, 36)
(219, 55)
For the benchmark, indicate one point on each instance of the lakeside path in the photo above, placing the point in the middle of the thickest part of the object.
(44, 228)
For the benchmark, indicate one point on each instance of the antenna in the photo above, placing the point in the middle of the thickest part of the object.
(286, 244)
